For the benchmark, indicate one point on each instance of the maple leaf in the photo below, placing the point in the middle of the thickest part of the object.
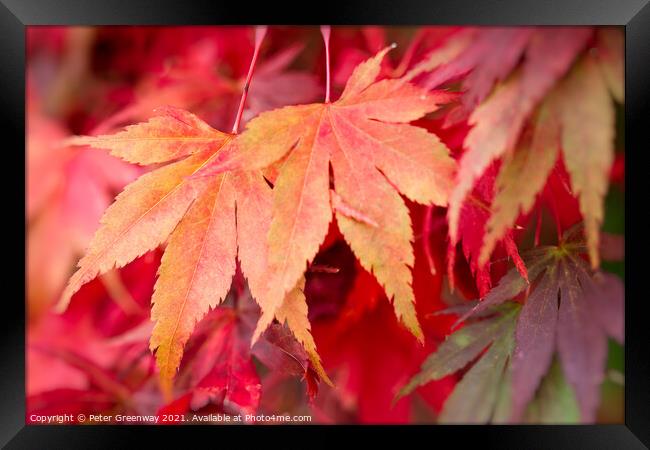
(498, 121)
(217, 367)
(209, 222)
(279, 350)
(483, 57)
(578, 116)
(473, 399)
(590, 309)
(198, 217)
(361, 134)
(139, 206)
(569, 310)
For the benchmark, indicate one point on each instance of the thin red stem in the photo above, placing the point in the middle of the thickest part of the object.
(260, 32)
(325, 31)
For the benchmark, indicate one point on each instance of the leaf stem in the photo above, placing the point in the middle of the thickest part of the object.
(260, 32)
(325, 31)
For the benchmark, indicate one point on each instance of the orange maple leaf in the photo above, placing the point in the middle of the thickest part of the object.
(375, 155)
(209, 222)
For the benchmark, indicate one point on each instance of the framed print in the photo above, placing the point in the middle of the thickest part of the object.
(375, 219)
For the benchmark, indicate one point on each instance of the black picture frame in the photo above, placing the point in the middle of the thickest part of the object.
(15, 15)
